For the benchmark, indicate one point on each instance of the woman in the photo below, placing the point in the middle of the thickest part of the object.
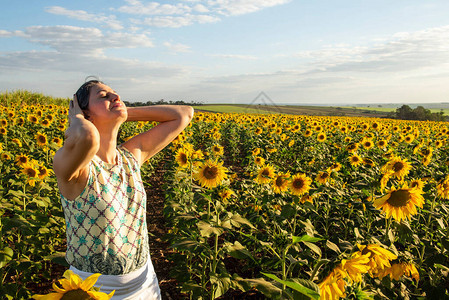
(102, 194)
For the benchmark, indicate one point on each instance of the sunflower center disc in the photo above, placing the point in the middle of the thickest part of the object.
(298, 184)
(210, 172)
(398, 166)
(76, 295)
(399, 198)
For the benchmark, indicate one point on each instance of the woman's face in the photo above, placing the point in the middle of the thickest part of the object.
(105, 104)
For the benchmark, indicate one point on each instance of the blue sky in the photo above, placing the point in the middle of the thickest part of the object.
(228, 51)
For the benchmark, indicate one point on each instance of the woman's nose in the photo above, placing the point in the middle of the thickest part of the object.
(115, 97)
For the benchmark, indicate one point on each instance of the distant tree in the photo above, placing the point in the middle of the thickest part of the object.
(420, 113)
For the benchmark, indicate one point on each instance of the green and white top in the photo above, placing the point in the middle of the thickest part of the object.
(106, 224)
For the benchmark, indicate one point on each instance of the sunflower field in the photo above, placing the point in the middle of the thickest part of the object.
(290, 206)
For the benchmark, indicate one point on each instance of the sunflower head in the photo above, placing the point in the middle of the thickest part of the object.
(211, 174)
(73, 287)
(400, 203)
(299, 184)
(280, 182)
(265, 174)
(323, 177)
(41, 139)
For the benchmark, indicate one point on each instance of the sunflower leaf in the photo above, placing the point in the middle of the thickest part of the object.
(206, 229)
(295, 285)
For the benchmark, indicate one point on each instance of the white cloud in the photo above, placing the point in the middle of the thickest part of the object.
(109, 21)
(179, 15)
(235, 56)
(176, 48)
(403, 52)
(241, 7)
(154, 8)
(86, 64)
(176, 21)
(71, 39)
(201, 8)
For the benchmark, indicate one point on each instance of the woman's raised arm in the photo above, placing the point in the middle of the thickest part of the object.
(82, 142)
(172, 121)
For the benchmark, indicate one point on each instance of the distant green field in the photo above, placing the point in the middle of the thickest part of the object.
(231, 109)
(290, 109)
(383, 109)
(389, 109)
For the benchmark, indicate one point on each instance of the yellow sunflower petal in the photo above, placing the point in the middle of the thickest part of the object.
(89, 282)
(100, 295)
(51, 296)
(65, 286)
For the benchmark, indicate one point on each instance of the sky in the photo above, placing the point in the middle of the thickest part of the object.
(229, 51)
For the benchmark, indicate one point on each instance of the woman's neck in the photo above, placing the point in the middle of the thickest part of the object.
(108, 146)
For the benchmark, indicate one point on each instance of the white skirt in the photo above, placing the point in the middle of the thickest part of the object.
(141, 284)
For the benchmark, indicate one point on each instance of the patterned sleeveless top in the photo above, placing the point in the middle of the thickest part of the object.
(106, 223)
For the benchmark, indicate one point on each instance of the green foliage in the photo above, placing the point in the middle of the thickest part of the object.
(405, 112)
(30, 98)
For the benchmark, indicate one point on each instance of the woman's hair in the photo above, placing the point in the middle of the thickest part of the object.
(84, 91)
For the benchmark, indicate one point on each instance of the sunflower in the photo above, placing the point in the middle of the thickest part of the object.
(33, 119)
(409, 138)
(217, 150)
(417, 184)
(400, 203)
(352, 147)
(197, 154)
(368, 162)
(3, 123)
(5, 156)
(258, 160)
(356, 266)
(280, 182)
(322, 177)
(438, 144)
(321, 137)
(400, 167)
(256, 151)
(22, 159)
(291, 143)
(210, 174)
(45, 123)
(296, 128)
(272, 150)
(379, 257)
(57, 141)
(299, 184)
(443, 189)
(3, 131)
(397, 270)
(41, 139)
(333, 286)
(258, 131)
(43, 172)
(355, 160)
(226, 194)
(335, 167)
(31, 172)
(426, 152)
(375, 126)
(367, 143)
(73, 287)
(182, 158)
(17, 142)
(307, 133)
(265, 174)
(382, 144)
(19, 121)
